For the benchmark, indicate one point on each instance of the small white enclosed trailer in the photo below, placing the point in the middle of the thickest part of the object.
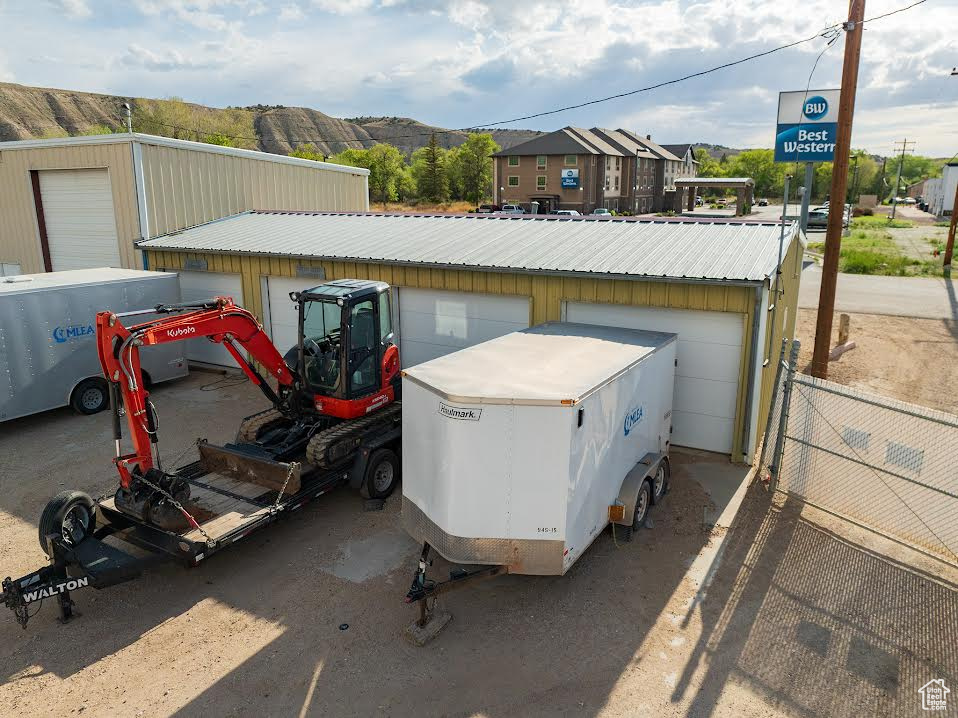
(519, 451)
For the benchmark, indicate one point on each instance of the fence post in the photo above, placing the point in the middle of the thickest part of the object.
(776, 465)
(771, 409)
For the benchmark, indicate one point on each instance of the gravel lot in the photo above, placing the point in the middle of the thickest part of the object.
(799, 617)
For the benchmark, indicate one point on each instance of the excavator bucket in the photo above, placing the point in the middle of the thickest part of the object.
(237, 464)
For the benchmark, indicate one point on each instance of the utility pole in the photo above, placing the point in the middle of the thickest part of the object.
(843, 142)
(950, 246)
(901, 160)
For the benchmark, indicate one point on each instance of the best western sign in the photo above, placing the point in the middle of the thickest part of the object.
(807, 126)
(570, 178)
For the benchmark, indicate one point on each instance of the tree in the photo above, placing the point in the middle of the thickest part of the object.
(428, 166)
(351, 158)
(218, 138)
(406, 187)
(175, 118)
(385, 168)
(760, 166)
(308, 151)
(708, 165)
(454, 174)
(475, 156)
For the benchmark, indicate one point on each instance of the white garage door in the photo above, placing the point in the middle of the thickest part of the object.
(433, 322)
(280, 314)
(79, 217)
(706, 378)
(198, 286)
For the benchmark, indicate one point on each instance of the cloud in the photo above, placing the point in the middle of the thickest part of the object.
(291, 13)
(168, 61)
(342, 7)
(77, 9)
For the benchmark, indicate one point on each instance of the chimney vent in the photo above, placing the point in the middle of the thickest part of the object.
(648, 137)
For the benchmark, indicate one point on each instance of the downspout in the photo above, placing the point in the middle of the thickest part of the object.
(139, 183)
(366, 196)
(760, 312)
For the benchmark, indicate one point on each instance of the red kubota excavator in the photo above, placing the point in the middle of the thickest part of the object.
(335, 418)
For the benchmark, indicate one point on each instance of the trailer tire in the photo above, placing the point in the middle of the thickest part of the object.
(70, 514)
(90, 396)
(661, 480)
(382, 475)
(642, 505)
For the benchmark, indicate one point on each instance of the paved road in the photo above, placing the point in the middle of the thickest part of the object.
(896, 296)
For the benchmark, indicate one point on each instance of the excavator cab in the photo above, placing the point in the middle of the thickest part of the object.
(347, 354)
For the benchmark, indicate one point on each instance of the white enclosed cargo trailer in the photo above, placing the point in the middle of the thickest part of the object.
(519, 451)
(48, 355)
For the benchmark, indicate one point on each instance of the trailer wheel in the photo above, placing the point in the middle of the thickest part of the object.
(70, 515)
(90, 396)
(660, 481)
(382, 475)
(642, 505)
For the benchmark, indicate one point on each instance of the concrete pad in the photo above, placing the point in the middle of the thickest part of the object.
(421, 635)
(362, 559)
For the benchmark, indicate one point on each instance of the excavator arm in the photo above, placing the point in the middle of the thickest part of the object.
(221, 321)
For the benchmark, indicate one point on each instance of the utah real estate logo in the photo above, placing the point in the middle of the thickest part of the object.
(934, 695)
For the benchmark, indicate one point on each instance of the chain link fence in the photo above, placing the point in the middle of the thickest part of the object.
(881, 462)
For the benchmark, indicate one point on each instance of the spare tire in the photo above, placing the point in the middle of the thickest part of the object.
(70, 515)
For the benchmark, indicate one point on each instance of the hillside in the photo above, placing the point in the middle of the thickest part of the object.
(32, 112)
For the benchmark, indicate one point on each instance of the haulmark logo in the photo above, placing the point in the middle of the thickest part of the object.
(65, 334)
(459, 412)
(54, 590)
(181, 332)
(632, 419)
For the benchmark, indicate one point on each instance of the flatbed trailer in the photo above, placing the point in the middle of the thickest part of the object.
(226, 511)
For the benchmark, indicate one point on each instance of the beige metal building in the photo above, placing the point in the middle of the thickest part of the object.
(82, 202)
(462, 279)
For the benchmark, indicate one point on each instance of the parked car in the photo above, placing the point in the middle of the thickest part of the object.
(818, 218)
(601, 211)
(568, 212)
(699, 202)
(512, 209)
(487, 208)
(762, 202)
(910, 200)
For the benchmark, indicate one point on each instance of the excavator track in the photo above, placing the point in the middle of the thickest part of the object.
(336, 443)
(250, 428)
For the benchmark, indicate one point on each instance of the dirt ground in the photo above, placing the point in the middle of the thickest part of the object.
(777, 613)
(915, 360)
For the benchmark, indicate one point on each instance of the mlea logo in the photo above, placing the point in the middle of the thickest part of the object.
(815, 108)
(65, 334)
(632, 419)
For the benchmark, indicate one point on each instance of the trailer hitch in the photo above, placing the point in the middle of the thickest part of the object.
(46, 582)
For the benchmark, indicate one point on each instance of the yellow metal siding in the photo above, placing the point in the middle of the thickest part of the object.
(186, 188)
(547, 293)
(19, 236)
(785, 317)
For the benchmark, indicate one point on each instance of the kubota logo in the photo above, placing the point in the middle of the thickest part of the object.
(181, 332)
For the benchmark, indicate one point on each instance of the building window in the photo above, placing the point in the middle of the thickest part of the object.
(607, 182)
(571, 160)
(617, 162)
(540, 162)
(513, 180)
(540, 182)
(513, 160)
(617, 181)
(608, 163)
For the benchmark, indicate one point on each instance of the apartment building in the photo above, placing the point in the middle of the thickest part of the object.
(580, 169)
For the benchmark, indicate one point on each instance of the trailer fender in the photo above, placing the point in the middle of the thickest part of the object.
(632, 483)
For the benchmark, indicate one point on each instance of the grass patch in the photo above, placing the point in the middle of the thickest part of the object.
(871, 250)
(876, 221)
(943, 223)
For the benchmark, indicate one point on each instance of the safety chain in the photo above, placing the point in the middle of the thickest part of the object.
(209, 540)
(279, 497)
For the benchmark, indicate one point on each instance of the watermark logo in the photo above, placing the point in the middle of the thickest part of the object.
(632, 419)
(815, 108)
(934, 695)
(65, 334)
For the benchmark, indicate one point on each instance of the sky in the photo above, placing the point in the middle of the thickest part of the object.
(466, 63)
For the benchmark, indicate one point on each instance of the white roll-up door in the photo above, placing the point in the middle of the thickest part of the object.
(433, 322)
(709, 356)
(79, 218)
(198, 286)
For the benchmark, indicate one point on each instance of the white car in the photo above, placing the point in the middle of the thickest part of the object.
(511, 209)
(601, 211)
(568, 213)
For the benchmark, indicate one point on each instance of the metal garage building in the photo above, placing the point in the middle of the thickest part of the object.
(82, 202)
(462, 279)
